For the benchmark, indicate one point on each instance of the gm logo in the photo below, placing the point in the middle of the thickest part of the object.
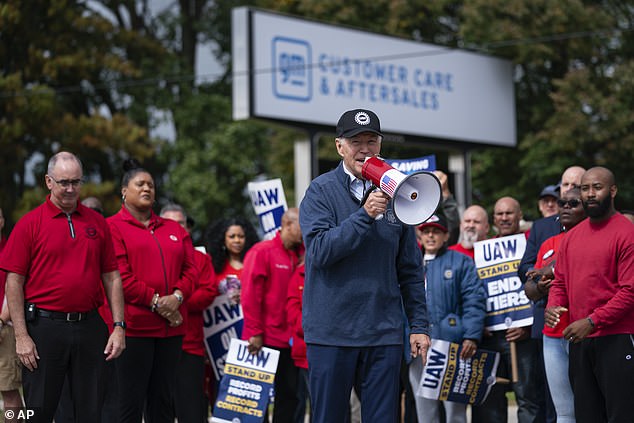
(292, 76)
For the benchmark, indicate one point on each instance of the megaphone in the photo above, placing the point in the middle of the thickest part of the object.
(415, 197)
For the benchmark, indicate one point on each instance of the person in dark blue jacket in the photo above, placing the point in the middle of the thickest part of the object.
(361, 271)
(541, 230)
(456, 308)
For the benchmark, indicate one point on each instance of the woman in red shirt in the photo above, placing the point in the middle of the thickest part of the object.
(156, 262)
(228, 240)
(538, 284)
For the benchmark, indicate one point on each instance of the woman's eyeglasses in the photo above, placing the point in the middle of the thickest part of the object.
(572, 203)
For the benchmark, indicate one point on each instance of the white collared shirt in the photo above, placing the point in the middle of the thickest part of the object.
(357, 186)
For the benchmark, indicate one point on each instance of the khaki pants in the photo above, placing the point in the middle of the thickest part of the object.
(10, 366)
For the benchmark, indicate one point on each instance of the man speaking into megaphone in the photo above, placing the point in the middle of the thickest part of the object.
(359, 272)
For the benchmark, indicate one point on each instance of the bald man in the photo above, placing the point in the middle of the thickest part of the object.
(570, 178)
(594, 281)
(474, 226)
(59, 262)
(268, 268)
(528, 389)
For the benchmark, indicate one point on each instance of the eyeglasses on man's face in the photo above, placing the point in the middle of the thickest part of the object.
(67, 183)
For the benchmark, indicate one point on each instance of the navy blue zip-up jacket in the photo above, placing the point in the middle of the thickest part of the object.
(360, 272)
(456, 299)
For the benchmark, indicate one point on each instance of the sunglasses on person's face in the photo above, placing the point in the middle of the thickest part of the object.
(572, 203)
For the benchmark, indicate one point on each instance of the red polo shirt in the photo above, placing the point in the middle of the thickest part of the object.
(62, 268)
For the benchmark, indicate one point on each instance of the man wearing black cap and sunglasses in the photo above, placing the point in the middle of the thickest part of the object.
(359, 270)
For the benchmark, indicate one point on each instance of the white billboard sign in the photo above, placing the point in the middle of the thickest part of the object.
(302, 71)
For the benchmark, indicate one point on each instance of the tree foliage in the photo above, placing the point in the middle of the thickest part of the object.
(58, 61)
(571, 60)
(96, 77)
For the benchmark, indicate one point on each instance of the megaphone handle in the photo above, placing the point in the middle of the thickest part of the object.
(367, 194)
(365, 198)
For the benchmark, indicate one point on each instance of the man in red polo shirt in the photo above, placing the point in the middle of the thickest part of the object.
(59, 260)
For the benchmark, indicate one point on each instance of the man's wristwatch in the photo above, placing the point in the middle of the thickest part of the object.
(179, 297)
(122, 325)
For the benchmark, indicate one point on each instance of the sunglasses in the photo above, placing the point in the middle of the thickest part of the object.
(572, 203)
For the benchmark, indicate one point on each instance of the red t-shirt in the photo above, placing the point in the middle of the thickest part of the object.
(459, 248)
(62, 257)
(226, 271)
(594, 275)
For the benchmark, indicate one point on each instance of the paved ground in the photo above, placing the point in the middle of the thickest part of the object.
(512, 413)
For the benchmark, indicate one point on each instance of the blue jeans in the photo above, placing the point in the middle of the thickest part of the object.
(556, 362)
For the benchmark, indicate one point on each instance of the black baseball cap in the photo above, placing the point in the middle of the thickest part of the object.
(354, 122)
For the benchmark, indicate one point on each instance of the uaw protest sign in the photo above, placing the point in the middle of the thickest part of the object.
(497, 260)
(222, 322)
(447, 377)
(245, 388)
(269, 203)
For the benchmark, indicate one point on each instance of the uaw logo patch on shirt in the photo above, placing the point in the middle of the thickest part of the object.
(91, 232)
(292, 79)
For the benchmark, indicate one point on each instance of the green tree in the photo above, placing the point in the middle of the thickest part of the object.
(548, 42)
(95, 80)
(59, 59)
(571, 84)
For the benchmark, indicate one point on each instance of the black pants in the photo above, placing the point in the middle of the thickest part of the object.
(530, 400)
(190, 403)
(601, 373)
(67, 349)
(303, 396)
(146, 375)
